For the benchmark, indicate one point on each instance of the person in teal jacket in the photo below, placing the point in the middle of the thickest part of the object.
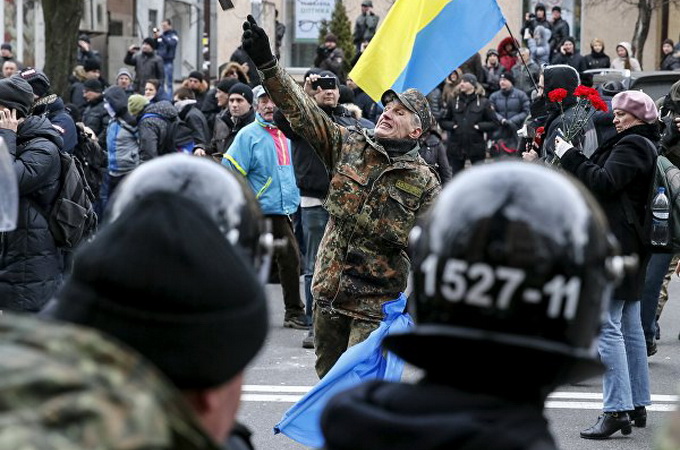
(262, 154)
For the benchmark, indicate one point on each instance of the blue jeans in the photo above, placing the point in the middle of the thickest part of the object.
(314, 221)
(167, 70)
(656, 270)
(624, 354)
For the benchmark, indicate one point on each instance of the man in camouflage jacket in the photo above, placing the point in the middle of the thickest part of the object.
(379, 187)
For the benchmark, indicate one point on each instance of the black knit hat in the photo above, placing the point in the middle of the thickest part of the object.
(93, 85)
(196, 74)
(225, 84)
(37, 79)
(151, 41)
(92, 64)
(16, 93)
(163, 279)
(508, 76)
(243, 90)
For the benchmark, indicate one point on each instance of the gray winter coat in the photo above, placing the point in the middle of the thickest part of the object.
(539, 45)
(510, 105)
(30, 263)
(147, 66)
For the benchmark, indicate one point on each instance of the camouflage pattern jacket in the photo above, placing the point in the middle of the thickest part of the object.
(67, 387)
(373, 201)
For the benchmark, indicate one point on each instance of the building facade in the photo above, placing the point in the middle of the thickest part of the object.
(587, 19)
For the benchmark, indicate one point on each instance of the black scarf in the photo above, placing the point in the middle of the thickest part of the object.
(397, 147)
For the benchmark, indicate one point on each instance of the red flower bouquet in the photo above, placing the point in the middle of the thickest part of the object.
(588, 101)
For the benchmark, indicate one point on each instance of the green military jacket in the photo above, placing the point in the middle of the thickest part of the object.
(67, 387)
(373, 202)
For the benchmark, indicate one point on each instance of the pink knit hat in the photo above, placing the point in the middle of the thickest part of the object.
(636, 103)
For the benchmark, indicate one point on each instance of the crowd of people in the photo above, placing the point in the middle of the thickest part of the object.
(324, 182)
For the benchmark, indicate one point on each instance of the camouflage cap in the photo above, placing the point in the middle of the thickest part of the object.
(414, 101)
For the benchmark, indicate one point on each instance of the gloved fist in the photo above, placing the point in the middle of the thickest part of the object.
(561, 146)
(256, 43)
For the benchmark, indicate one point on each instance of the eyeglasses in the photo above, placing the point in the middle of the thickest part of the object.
(307, 25)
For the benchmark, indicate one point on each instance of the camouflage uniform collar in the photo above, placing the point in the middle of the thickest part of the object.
(263, 123)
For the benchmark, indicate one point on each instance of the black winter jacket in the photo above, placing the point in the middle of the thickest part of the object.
(595, 60)
(96, 119)
(30, 263)
(574, 60)
(461, 116)
(52, 106)
(433, 151)
(196, 126)
(398, 416)
(153, 124)
(623, 165)
(310, 173)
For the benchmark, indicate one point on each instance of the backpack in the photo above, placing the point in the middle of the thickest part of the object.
(71, 219)
(666, 175)
(93, 159)
(169, 143)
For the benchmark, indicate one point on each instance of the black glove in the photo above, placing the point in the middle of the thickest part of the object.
(670, 135)
(256, 43)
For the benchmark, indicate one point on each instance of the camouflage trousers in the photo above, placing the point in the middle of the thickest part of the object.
(333, 334)
(663, 294)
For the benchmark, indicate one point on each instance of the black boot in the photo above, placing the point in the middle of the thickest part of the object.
(608, 424)
(638, 416)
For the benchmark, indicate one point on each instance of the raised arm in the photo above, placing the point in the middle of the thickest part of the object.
(304, 115)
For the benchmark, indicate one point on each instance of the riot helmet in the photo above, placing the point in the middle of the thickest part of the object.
(226, 197)
(512, 259)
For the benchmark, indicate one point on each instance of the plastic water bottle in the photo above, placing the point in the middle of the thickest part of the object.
(661, 208)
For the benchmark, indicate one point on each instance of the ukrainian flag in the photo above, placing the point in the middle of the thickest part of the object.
(422, 41)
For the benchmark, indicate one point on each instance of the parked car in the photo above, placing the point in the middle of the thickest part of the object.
(654, 83)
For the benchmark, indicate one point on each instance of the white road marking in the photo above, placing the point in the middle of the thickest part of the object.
(556, 400)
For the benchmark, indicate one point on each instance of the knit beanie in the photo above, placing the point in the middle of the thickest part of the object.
(151, 41)
(638, 104)
(126, 72)
(225, 84)
(470, 78)
(243, 90)
(136, 103)
(93, 85)
(37, 79)
(196, 74)
(164, 280)
(91, 65)
(16, 93)
(508, 76)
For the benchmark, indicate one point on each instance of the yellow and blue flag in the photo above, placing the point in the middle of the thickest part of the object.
(420, 42)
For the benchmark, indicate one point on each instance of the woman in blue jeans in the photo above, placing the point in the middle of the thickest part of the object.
(619, 174)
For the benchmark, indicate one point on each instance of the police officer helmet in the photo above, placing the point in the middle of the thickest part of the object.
(513, 258)
(224, 195)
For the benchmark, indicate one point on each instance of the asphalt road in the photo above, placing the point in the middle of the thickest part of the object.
(284, 371)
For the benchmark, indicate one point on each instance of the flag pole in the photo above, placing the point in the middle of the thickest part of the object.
(514, 43)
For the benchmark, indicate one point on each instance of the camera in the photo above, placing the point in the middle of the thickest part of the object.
(325, 83)
(155, 30)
